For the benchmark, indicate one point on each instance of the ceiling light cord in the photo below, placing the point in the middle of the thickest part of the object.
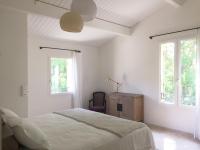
(98, 18)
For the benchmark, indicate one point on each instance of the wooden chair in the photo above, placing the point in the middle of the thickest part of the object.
(98, 103)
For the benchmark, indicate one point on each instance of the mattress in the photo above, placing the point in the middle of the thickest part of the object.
(64, 133)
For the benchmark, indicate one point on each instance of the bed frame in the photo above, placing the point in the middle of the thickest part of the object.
(0, 134)
(7, 140)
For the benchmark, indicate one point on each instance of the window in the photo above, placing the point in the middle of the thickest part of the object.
(167, 72)
(188, 71)
(178, 68)
(60, 69)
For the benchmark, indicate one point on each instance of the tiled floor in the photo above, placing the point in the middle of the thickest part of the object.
(166, 139)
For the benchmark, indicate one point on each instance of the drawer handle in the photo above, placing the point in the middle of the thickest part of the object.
(119, 107)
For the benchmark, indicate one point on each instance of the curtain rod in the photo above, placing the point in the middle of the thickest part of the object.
(151, 37)
(50, 4)
(76, 51)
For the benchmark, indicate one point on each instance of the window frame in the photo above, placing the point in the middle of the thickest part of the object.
(177, 72)
(49, 76)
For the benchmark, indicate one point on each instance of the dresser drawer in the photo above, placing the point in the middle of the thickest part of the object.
(112, 106)
(126, 105)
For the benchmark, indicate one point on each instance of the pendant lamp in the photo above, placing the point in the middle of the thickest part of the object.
(86, 8)
(71, 22)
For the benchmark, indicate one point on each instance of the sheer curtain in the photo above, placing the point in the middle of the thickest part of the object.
(75, 80)
(197, 124)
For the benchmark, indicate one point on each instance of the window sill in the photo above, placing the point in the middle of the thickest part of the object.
(167, 104)
(187, 107)
(61, 94)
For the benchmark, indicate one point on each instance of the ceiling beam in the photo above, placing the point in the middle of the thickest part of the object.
(176, 3)
(29, 6)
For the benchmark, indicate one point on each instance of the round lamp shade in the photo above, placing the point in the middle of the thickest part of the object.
(86, 8)
(71, 22)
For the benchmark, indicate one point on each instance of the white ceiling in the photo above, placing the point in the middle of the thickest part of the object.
(50, 28)
(126, 12)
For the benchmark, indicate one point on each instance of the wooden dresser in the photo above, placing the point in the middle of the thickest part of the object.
(126, 105)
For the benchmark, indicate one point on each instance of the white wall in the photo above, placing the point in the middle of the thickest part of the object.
(13, 60)
(135, 62)
(21, 63)
(40, 101)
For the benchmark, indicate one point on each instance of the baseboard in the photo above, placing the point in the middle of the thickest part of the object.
(168, 129)
(178, 132)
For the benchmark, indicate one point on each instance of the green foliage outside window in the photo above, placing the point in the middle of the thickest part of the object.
(188, 71)
(59, 75)
(167, 72)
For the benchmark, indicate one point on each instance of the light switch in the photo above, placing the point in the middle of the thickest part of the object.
(24, 90)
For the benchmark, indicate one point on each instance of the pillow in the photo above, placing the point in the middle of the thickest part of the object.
(5, 111)
(9, 117)
(30, 136)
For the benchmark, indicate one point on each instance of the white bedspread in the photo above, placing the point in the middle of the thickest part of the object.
(120, 127)
(67, 134)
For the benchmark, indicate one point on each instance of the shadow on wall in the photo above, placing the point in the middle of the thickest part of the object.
(127, 87)
(149, 105)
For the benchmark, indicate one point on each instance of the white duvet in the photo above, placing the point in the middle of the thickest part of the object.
(67, 134)
(118, 126)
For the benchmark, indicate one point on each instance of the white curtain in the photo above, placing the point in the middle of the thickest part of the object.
(75, 80)
(197, 124)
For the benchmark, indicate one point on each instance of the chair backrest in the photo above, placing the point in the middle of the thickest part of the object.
(99, 98)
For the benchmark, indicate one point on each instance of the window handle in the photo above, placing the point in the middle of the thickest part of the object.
(162, 95)
(50, 82)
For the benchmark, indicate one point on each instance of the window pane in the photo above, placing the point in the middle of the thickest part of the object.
(188, 71)
(59, 75)
(167, 72)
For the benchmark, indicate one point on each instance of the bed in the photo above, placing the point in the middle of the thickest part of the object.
(79, 129)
